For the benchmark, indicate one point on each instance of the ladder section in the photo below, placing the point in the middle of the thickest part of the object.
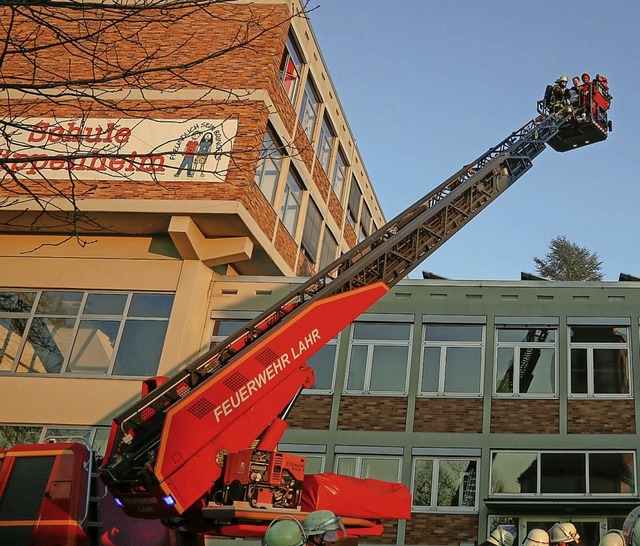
(387, 255)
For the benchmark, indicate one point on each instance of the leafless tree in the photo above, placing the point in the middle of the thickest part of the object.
(75, 60)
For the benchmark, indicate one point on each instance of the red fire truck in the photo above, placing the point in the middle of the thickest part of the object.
(198, 452)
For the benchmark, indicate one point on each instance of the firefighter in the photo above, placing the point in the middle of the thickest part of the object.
(613, 538)
(559, 94)
(499, 537)
(284, 532)
(564, 533)
(323, 526)
(537, 537)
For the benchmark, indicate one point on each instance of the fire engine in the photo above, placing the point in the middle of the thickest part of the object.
(198, 452)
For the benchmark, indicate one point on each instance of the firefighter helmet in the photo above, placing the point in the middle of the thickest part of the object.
(564, 532)
(562, 78)
(613, 538)
(500, 537)
(284, 532)
(634, 539)
(324, 522)
(536, 537)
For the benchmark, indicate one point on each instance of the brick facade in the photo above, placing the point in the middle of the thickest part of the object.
(448, 415)
(524, 416)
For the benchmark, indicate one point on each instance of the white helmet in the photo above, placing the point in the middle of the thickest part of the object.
(634, 539)
(564, 532)
(562, 78)
(501, 537)
(613, 538)
(536, 537)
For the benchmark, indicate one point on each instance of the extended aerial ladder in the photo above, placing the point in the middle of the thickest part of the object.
(167, 452)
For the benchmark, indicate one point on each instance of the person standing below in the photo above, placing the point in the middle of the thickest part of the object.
(563, 534)
(499, 537)
(284, 532)
(323, 526)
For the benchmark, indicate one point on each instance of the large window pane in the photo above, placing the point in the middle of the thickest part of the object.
(611, 473)
(309, 109)
(452, 359)
(457, 483)
(151, 305)
(269, 166)
(562, 473)
(94, 345)
(389, 369)
(140, 348)
(463, 370)
(290, 209)
(11, 332)
(323, 363)
(11, 435)
(422, 482)
(16, 302)
(105, 304)
(357, 367)
(47, 345)
(59, 303)
(514, 473)
(380, 469)
(599, 360)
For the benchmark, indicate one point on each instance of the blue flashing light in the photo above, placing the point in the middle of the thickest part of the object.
(169, 500)
(118, 502)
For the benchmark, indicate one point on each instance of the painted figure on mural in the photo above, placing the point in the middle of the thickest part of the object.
(187, 156)
(204, 147)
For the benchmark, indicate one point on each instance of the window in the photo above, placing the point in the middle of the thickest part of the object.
(75, 332)
(291, 201)
(329, 249)
(525, 360)
(566, 473)
(339, 174)
(452, 359)
(599, 360)
(325, 144)
(312, 232)
(323, 363)
(444, 484)
(309, 109)
(379, 358)
(290, 67)
(361, 466)
(269, 165)
(95, 437)
(353, 205)
(365, 223)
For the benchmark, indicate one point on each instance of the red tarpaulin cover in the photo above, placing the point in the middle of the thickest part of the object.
(361, 498)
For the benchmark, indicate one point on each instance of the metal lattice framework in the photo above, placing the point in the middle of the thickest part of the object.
(388, 255)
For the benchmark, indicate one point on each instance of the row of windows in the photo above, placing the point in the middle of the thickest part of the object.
(83, 332)
(320, 248)
(437, 483)
(451, 483)
(453, 359)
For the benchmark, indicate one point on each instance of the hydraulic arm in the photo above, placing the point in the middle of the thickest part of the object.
(167, 451)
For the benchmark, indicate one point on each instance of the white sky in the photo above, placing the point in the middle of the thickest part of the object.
(428, 86)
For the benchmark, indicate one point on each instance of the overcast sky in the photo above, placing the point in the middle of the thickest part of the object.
(428, 86)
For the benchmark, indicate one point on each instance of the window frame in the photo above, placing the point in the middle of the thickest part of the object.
(518, 348)
(340, 173)
(433, 505)
(371, 345)
(311, 101)
(266, 158)
(326, 140)
(590, 347)
(290, 69)
(293, 193)
(444, 346)
(361, 458)
(80, 317)
(587, 493)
